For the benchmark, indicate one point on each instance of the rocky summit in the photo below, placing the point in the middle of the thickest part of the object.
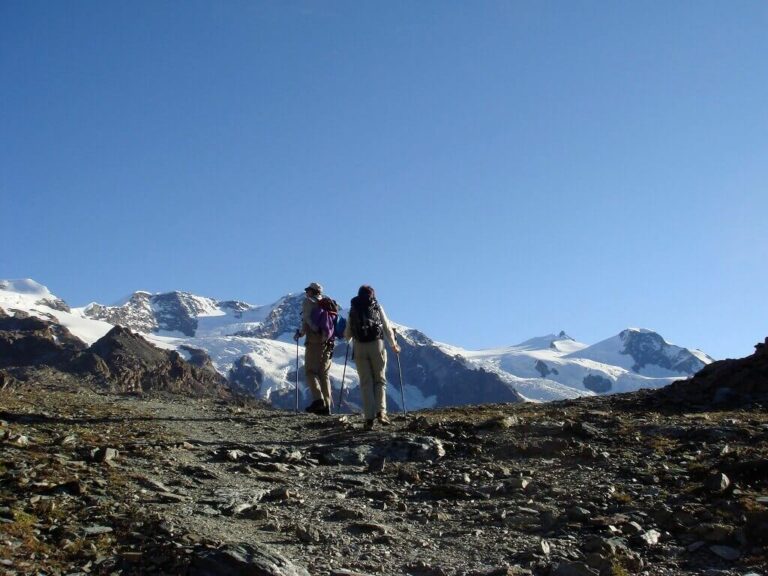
(97, 479)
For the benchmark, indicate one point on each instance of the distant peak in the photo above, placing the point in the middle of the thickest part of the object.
(638, 330)
(641, 334)
(544, 342)
(24, 286)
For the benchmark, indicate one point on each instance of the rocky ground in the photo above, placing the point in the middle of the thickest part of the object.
(93, 482)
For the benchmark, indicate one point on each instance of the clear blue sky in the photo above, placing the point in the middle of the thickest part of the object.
(497, 170)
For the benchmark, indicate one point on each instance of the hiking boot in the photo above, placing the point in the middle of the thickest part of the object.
(324, 410)
(315, 407)
(368, 425)
(383, 419)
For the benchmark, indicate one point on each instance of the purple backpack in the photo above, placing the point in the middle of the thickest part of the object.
(324, 317)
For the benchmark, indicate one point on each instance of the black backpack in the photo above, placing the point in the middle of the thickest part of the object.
(365, 319)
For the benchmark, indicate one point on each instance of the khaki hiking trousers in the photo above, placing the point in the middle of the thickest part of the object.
(371, 362)
(317, 364)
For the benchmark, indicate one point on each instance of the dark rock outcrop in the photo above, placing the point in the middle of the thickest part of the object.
(121, 360)
(597, 383)
(198, 358)
(243, 560)
(725, 382)
(29, 341)
(434, 373)
(126, 362)
(171, 311)
(284, 318)
(649, 348)
(246, 376)
(137, 313)
(544, 370)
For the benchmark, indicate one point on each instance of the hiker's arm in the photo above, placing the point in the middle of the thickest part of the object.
(388, 333)
(348, 328)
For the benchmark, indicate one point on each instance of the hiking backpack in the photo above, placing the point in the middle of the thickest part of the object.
(341, 324)
(326, 317)
(368, 325)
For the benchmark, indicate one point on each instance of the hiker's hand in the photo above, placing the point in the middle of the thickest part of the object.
(297, 335)
(396, 349)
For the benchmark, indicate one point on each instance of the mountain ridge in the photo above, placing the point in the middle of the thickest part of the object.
(238, 337)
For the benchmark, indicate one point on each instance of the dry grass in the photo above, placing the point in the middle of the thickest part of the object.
(662, 444)
(622, 497)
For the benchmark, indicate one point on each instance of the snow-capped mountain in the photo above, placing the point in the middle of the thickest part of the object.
(644, 352)
(23, 294)
(172, 313)
(557, 366)
(252, 346)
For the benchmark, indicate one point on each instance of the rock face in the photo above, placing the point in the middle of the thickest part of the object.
(29, 341)
(542, 368)
(198, 358)
(436, 374)
(284, 318)
(725, 383)
(649, 348)
(128, 363)
(169, 312)
(121, 360)
(245, 375)
(597, 383)
(136, 314)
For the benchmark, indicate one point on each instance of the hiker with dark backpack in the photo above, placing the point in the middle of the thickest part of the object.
(368, 327)
(317, 314)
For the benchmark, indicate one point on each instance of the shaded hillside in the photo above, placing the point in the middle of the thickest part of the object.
(725, 383)
(128, 363)
(120, 361)
(29, 341)
(446, 378)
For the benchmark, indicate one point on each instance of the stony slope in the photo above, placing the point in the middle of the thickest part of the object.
(626, 484)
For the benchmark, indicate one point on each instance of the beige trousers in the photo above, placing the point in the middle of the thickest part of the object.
(317, 364)
(371, 362)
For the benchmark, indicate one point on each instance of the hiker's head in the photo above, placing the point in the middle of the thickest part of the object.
(366, 292)
(314, 289)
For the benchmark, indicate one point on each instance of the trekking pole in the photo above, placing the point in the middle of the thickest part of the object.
(297, 373)
(331, 405)
(343, 374)
(400, 371)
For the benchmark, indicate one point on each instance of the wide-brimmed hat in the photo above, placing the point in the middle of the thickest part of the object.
(314, 286)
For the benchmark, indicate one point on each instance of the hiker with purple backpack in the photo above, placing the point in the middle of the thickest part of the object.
(316, 313)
